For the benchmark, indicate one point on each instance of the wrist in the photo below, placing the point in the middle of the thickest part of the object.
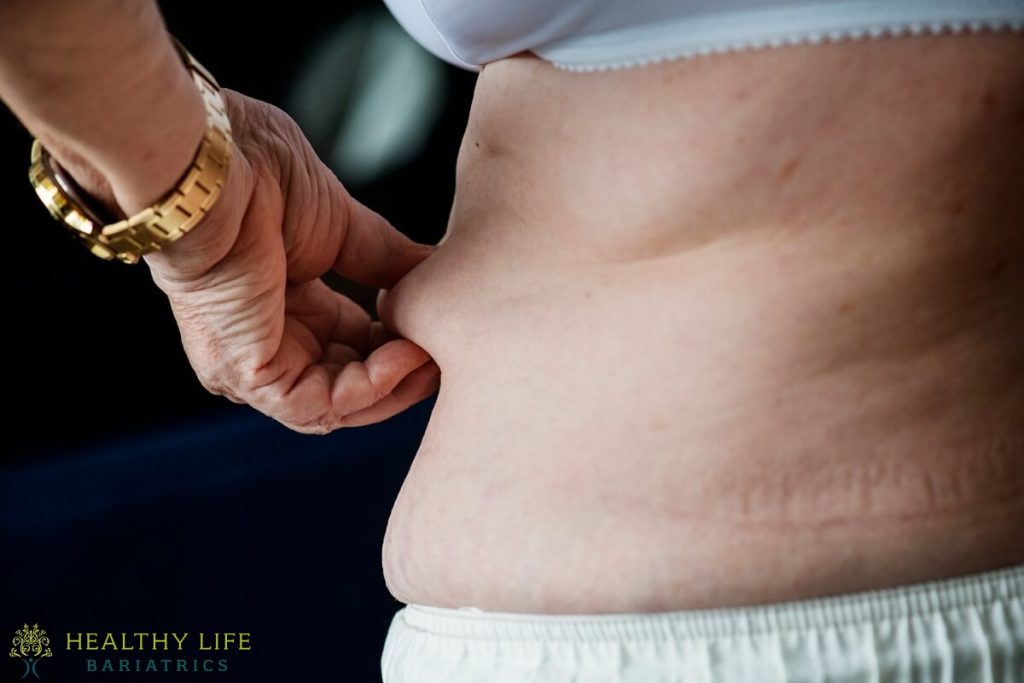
(131, 162)
(144, 225)
(114, 104)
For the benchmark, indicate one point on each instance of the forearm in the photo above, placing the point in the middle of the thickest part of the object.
(102, 87)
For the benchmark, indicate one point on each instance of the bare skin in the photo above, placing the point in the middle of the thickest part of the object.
(724, 331)
(720, 331)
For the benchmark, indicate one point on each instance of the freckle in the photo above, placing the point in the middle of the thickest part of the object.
(846, 307)
(998, 268)
(586, 295)
(659, 423)
(988, 99)
(788, 168)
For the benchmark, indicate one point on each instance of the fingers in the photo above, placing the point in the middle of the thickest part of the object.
(362, 385)
(420, 384)
(342, 388)
(372, 251)
(329, 316)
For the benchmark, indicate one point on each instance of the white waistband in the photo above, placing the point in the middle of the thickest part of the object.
(921, 599)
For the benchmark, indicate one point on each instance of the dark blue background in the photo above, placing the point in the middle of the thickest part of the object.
(226, 524)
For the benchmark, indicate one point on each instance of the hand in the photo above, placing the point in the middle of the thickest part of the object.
(257, 323)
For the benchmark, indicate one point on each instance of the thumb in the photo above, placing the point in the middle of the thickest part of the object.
(372, 251)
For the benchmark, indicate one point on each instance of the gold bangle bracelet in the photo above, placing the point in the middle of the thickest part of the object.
(170, 218)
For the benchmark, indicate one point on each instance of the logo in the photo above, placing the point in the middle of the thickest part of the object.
(30, 645)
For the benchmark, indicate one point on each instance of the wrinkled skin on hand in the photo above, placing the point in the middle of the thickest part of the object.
(257, 323)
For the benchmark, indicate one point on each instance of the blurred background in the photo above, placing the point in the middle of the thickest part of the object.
(131, 499)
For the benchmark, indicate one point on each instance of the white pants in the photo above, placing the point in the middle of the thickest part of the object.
(969, 629)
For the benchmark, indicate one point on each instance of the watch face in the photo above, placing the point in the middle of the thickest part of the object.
(85, 205)
(62, 198)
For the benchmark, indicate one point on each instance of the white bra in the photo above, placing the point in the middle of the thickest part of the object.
(590, 35)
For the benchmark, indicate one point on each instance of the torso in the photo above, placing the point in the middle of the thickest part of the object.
(721, 331)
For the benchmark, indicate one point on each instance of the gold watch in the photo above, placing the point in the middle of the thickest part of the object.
(168, 220)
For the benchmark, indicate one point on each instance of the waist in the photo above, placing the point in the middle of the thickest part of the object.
(643, 407)
(653, 436)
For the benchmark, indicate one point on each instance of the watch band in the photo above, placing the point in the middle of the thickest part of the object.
(169, 219)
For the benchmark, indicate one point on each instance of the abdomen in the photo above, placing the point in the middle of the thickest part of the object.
(644, 406)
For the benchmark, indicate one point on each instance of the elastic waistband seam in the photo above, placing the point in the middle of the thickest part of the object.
(946, 596)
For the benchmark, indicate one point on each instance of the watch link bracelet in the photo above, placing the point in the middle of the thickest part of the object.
(169, 219)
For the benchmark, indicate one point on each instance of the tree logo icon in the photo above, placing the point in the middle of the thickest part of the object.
(30, 645)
